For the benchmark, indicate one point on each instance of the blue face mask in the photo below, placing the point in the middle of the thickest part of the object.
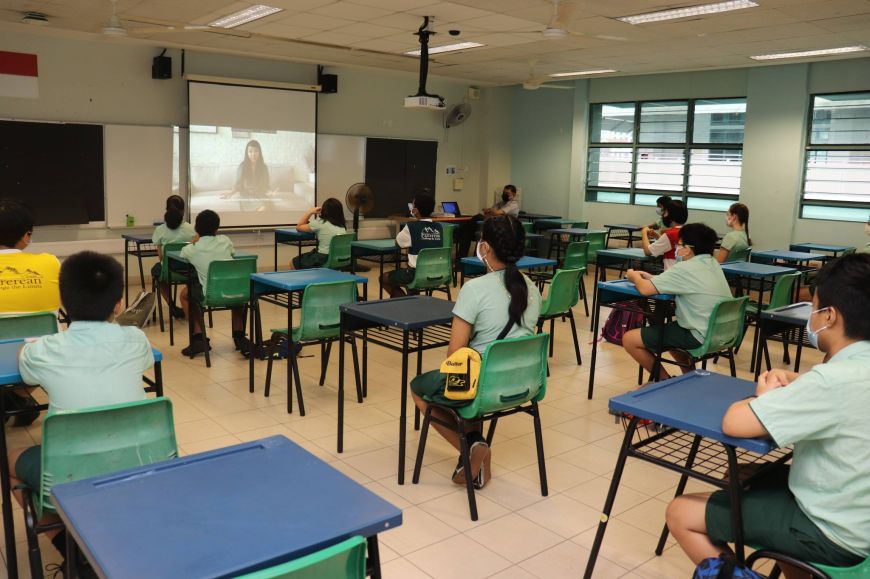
(678, 258)
(813, 335)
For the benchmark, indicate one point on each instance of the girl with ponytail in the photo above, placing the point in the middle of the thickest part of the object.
(736, 243)
(502, 298)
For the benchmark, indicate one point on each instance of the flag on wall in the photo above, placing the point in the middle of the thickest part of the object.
(18, 75)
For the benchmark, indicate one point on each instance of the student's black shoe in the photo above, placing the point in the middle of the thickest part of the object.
(196, 347)
(243, 345)
(177, 313)
(27, 403)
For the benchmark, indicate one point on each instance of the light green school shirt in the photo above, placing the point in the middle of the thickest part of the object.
(208, 249)
(483, 302)
(737, 244)
(163, 235)
(325, 231)
(90, 364)
(698, 284)
(824, 415)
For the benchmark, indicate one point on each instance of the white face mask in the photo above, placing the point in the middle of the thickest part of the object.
(659, 211)
(813, 335)
(477, 251)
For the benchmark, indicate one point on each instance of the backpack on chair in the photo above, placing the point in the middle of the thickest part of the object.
(723, 567)
(618, 323)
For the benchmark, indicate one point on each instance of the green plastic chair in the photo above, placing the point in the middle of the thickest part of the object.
(577, 257)
(228, 286)
(339, 251)
(171, 278)
(741, 255)
(346, 560)
(563, 295)
(513, 379)
(563, 240)
(433, 271)
(319, 323)
(815, 570)
(27, 325)
(781, 295)
(849, 251)
(80, 444)
(448, 230)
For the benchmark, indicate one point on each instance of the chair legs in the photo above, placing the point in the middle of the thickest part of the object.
(33, 553)
(583, 295)
(574, 335)
(539, 446)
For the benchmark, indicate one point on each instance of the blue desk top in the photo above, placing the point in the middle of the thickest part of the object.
(299, 279)
(176, 256)
(406, 313)
(540, 223)
(625, 287)
(627, 253)
(292, 235)
(525, 262)
(626, 226)
(754, 270)
(819, 247)
(534, 216)
(790, 256)
(575, 231)
(376, 245)
(138, 237)
(694, 402)
(219, 513)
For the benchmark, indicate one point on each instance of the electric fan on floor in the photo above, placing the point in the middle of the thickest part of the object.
(360, 199)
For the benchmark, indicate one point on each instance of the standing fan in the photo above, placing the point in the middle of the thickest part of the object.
(360, 199)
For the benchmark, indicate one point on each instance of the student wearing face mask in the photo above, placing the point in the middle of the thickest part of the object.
(507, 206)
(818, 509)
(736, 243)
(657, 226)
(698, 284)
(675, 215)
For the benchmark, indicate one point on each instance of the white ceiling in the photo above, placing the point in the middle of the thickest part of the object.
(375, 32)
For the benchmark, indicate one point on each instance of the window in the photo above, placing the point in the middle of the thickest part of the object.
(688, 149)
(837, 172)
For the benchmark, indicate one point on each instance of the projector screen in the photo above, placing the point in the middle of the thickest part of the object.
(251, 153)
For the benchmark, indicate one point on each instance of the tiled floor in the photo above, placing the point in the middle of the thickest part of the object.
(520, 534)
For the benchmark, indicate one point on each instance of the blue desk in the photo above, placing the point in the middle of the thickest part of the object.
(784, 321)
(140, 245)
(523, 216)
(10, 376)
(623, 295)
(691, 408)
(293, 237)
(621, 260)
(773, 256)
(628, 236)
(834, 250)
(220, 513)
(382, 248)
(550, 223)
(288, 282)
(472, 266)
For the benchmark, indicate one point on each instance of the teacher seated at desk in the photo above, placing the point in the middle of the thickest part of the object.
(817, 510)
(507, 206)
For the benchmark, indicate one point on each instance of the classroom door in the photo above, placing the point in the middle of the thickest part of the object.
(397, 169)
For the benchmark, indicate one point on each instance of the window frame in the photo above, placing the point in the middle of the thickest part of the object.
(592, 191)
(809, 148)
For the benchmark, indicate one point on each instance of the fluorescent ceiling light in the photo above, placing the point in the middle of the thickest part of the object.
(805, 53)
(447, 48)
(689, 11)
(582, 72)
(244, 16)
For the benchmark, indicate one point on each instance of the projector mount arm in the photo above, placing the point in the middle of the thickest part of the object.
(423, 33)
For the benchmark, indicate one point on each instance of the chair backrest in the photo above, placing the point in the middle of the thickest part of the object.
(80, 444)
(849, 251)
(576, 255)
(580, 225)
(166, 273)
(597, 240)
(320, 317)
(512, 372)
(783, 290)
(447, 234)
(433, 268)
(229, 282)
(564, 292)
(339, 251)
(859, 571)
(725, 330)
(740, 255)
(28, 325)
(346, 560)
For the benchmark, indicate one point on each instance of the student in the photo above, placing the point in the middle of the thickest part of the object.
(674, 216)
(658, 225)
(415, 236)
(207, 247)
(28, 284)
(174, 229)
(484, 307)
(819, 509)
(507, 206)
(93, 363)
(866, 248)
(326, 222)
(736, 243)
(697, 282)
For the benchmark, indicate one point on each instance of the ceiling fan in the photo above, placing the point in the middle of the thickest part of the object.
(535, 82)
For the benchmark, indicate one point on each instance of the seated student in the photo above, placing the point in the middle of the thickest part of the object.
(819, 509)
(28, 284)
(93, 363)
(736, 243)
(326, 222)
(658, 225)
(507, 206)
(698, 284)
(416, 236)
(207, 247)
(174, 229)
(674, 216)
(866, 248)
(485, 306)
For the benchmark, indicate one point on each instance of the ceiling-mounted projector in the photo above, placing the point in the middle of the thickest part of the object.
(424, 102)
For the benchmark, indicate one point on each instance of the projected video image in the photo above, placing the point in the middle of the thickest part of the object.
(241, 170)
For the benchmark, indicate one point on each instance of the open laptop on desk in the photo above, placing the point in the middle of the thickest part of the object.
(451, 207)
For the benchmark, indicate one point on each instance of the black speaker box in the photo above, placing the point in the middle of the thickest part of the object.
(161, 67)
(328, 83)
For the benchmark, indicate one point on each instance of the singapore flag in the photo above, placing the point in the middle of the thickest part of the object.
(18, 75)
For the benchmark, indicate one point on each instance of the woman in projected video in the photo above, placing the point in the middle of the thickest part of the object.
(252, 179)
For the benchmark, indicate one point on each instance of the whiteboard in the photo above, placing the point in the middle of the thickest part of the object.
(341, 162)
(138, 169)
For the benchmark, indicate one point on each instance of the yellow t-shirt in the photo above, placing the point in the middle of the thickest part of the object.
(28, 282)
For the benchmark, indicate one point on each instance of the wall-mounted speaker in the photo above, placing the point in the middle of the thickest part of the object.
(161, 67)
(328, 83)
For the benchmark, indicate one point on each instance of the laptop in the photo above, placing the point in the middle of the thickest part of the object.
(451, 207)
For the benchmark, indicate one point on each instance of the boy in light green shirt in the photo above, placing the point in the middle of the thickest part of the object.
(698, 284)
(818, 510)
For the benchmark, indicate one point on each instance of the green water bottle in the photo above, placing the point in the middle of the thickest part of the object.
(131, 221)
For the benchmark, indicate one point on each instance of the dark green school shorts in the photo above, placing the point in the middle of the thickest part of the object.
(676, 337)
(773, 520)
(28, 467)
(401, 276)
(196, 293)
(310, 260)
(430, 385)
